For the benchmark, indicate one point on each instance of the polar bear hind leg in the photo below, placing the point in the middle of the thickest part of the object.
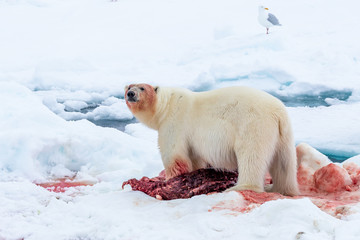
(283, 169)
(254, 151)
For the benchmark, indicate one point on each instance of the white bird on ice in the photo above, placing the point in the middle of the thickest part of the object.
(267, 19)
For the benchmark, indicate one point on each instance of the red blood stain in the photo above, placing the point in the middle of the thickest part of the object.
(332, 178)
(162, 174)
(260, 198)
(179, 167)
(63, 184)
(305, 179)
(332, 188)
(354, 171)
(146, 99)
(250, 201)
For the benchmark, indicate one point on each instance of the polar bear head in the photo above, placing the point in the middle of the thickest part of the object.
(141, 99)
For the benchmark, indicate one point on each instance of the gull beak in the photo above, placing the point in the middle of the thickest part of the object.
(266, 8)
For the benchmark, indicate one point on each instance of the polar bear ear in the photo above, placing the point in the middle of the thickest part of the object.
(156, 89)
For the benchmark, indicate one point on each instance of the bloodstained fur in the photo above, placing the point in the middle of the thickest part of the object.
(179, 167)
(141, 104)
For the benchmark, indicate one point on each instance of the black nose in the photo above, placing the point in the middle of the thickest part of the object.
(131, 94)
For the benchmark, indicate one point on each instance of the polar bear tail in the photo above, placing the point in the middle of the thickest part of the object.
(284, 165)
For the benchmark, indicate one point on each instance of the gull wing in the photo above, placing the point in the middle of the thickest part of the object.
(273, 19)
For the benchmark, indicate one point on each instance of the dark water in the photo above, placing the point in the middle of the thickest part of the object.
(316, 100)
(338, 155)
(337, 158)
(91, 107)
(296, 100)
(118, 124)
(112, 123)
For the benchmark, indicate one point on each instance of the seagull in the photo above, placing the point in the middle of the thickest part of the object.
(267, 19)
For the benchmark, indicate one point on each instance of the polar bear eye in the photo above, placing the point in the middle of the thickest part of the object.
(142, 89)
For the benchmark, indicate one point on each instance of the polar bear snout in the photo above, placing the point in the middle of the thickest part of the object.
(131, 96)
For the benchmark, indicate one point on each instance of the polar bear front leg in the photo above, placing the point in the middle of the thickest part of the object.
(174, 155)
(177, 166)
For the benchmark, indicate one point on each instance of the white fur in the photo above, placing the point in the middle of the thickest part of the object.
(230, 128)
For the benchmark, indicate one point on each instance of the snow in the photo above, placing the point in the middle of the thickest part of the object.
(330, 129)
(34, 140)
(64, 64)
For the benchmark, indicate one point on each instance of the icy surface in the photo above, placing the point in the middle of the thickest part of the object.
(64, 65)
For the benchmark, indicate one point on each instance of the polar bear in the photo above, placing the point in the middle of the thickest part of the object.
(234, 128)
